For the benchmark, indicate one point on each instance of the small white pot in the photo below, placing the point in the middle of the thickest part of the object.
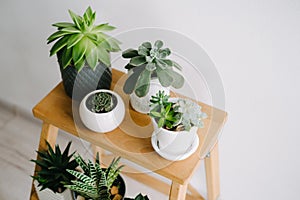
(141, 104)
(47, 194)
(102, 122)
(174, 142)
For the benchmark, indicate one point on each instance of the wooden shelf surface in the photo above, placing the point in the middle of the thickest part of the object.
(131, 140)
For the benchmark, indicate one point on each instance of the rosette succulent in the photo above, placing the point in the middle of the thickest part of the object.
(101, 102)
(82, 41)
(150, 61)
(180, 115)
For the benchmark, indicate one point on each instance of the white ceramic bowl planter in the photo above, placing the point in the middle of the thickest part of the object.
(105, 121)
(141, 104)
(47, 194)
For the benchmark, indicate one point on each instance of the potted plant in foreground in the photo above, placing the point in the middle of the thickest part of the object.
(102, 110)
(149, 70)
(96, 183)
(176, 122)
(83, 52)
(50, 179)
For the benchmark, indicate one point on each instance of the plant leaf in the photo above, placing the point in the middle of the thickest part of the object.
(66, 57)
(59, 45)
(158, 44)
(129, 53)
(164, 77)
(131, 81)
(143, 84)
(103, 27)
(55, 36)
(76, 19)
(71, 29)
(103, 56)
(79, 50)
(178, 79)
(63, 24)
(74, 39)
(138, 60)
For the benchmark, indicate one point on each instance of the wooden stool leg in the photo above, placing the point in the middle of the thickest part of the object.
(49, 133)
(212, 174)
(177, 192)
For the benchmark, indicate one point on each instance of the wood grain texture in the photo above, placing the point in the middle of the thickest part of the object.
(177, 191)
(212, 174)
(131, 139)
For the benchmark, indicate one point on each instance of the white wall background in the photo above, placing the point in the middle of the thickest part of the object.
(254, 44)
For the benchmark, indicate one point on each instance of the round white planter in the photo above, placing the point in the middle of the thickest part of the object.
(174, 142)
(47, 194)
(141, 104)
(102, 122)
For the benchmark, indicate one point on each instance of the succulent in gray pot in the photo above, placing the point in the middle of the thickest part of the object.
(150, 70)
(83, 53)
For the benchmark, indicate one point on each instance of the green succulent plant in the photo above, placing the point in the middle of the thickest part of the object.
(139, 197)
(180, 115)
(82, 41)
(147, 62)
(94, 182)
(101, 102)
(54, 165)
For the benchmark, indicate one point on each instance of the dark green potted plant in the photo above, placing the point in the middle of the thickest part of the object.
(83, 52)
(97, 183)
(138, 197)
(53, 175)
(149, 70)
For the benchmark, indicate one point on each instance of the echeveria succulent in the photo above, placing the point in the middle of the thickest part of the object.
(82, 41)
(180, 115)
(147, 62)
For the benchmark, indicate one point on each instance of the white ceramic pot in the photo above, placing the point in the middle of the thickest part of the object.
(47, 194)
(174, 142)
(141, 104)
(102, 122)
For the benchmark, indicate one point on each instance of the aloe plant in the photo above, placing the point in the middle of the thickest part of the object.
(82, 41)
(101, 102)
(54, 165)
(147, 62)
(94, 182)
(180, 115)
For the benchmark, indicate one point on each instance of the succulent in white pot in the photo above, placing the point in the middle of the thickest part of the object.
(102, 110)
(50, 178)
(176, 122)
(149, 71)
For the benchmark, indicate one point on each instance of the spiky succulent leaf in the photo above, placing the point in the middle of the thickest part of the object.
(54, 165)
(80, 38)
(96, 183)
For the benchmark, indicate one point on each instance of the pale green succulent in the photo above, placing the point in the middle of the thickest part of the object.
(148, 62)
(191, 114)
(180, 115)
(82, 41)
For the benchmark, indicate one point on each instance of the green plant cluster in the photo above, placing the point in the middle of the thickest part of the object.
(180, 115)
(147, 62)
(94, 182)
(100, 102)
(139, 197)
(53, 168)
(83, 42)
